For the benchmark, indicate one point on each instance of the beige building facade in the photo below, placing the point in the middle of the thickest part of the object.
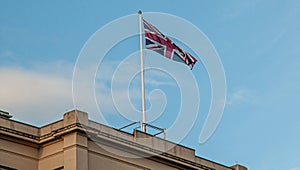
(77, 143)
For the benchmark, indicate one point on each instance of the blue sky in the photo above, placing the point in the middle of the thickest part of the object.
(257, 41)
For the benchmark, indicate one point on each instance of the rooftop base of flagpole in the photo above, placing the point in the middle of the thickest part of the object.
(152, 130)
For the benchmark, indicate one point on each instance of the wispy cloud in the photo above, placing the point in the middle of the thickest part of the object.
(154, 82)
(32, 96)
(296, 168)
(44, 92)
(8, 55)
(239, 96)
(118, 89)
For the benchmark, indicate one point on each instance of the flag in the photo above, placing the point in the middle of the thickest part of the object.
(161, 44)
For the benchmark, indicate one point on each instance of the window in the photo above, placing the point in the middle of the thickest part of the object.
(6, 168)
(59, 168)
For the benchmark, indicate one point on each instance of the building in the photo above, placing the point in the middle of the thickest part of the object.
(76, 143)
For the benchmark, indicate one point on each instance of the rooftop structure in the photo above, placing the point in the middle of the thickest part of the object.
(76, 143)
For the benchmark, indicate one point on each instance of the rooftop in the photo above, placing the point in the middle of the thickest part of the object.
(76, 120)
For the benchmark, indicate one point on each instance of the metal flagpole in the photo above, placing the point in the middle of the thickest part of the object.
(143, 123)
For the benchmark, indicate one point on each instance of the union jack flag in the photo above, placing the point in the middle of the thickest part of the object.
(161, 44)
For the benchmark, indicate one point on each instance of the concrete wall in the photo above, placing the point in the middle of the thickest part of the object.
(18, 155)
(51, 155)
(102, 155)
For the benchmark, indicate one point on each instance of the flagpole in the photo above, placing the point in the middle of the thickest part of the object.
(143, 123)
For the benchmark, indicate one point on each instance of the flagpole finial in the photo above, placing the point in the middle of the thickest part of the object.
(140, 12)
